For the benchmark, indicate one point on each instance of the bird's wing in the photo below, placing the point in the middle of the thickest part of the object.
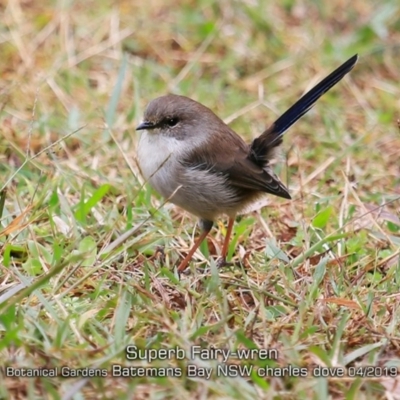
(231, 160)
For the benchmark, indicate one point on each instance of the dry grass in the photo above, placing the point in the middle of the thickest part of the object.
(87, 253)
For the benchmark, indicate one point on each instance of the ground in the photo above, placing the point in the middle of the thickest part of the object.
(88, 252)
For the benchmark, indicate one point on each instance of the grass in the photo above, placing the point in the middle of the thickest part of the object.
(87, 251)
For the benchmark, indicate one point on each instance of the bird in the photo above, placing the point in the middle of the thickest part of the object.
(197, 162)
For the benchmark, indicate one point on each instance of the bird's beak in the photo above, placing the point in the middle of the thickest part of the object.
(145, 125)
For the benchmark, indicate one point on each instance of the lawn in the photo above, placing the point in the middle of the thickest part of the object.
(91, 303)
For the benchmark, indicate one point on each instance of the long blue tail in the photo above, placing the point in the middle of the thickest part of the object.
(263, 145)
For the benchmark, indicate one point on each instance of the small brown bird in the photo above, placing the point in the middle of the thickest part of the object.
(193, 159)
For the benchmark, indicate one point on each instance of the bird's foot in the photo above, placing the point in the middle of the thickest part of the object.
(221, 263)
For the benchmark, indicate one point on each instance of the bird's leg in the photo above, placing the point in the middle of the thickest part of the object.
(222, 260)
(205, 226)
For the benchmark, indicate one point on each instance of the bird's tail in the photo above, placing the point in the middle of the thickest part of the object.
(261, 148)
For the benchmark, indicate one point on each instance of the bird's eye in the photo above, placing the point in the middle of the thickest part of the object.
(172, 121)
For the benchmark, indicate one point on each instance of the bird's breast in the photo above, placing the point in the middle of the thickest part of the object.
(158, 161)
(204, 193)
